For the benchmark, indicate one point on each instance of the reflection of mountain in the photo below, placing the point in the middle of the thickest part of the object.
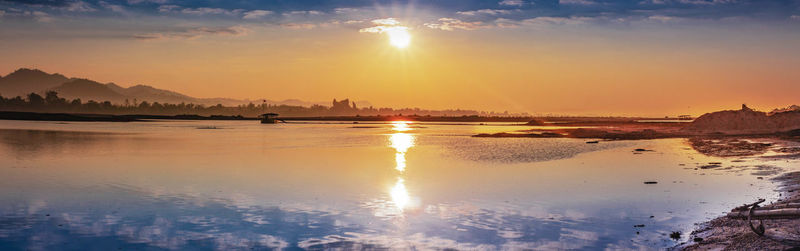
(33, 143)
(25, 81)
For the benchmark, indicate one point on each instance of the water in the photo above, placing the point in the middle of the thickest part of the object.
(242, 185)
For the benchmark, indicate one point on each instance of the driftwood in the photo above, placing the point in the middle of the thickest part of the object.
(768, 214)
(753, 211)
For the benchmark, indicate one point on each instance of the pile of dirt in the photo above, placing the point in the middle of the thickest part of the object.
(745, 121)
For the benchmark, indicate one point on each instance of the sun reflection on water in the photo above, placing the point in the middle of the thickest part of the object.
(400, 126)
(399, 194)
(401, 142)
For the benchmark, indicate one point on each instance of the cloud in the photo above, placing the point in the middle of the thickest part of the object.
(577, 2)
(168, 8)
(450, 24)
(256, 14)
(299, 26)
(353, 22)
(344, 10)
(192, 33)
(132, 2)
(2, 12)
(557, 20)
(386, 21)
(112, 7)
(795, 17)
(506, 23)
(665, 19)
(689, 2)
(511, 2)
(79, 6)
(210, 11)
(492, 12)
(40, 16)
(384, 25)
(302, 13)
(464, 15)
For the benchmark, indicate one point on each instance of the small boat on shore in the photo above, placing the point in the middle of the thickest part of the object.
(269, 118)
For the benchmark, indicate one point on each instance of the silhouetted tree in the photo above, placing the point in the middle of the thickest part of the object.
(35, 100)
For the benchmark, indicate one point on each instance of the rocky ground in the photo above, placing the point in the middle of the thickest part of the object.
(725, 233)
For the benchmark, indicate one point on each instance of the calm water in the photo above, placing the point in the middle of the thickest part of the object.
(243, 185)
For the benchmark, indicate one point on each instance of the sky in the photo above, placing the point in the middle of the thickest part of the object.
(563, 57)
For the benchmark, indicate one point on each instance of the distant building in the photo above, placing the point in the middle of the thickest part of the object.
(343, 107)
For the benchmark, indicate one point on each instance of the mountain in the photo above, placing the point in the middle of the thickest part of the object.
(150, 94)
(24, 81)
(88, 90)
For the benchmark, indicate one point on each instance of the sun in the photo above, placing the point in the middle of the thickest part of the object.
(399, 37)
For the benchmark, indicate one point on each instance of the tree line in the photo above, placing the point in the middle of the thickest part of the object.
(52, 103)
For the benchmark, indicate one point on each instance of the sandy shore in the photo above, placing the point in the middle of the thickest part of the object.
(724, 233)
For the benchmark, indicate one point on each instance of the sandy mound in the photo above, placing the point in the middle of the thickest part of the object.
(745, 121)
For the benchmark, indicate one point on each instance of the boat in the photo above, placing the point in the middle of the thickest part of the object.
(269, 118)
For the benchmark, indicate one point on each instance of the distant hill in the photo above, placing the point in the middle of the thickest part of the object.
(148, 93)
(88, 90)
(24, 81)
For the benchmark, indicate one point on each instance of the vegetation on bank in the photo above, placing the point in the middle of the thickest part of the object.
(52, 103)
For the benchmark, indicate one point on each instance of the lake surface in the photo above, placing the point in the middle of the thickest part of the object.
(227, 185)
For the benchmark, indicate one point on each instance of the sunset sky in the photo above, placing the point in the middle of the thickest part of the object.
(579, 57)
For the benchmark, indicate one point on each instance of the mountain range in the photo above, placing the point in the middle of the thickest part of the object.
(25, 81)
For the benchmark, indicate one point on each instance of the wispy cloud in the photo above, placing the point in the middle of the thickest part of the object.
(196, 32)
(298, 26)
(167, 8)
(511, 2)
(384, 25)
(302, 13)
(344, 10)
(484, 12)
(210, 11)
(689, 2)
(577, 2)
(113, 7)
(557, 20)
(449, 24)
(147, 1)
(440, 15)
(40, 16)
(256, 14)
(79, 6)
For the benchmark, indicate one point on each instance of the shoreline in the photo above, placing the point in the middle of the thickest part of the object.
(727, 233)
(552, 121)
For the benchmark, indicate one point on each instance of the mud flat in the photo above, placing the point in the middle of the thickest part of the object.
(744, 133)
(732, 123)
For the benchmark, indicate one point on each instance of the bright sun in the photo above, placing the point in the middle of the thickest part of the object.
(399, 37)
